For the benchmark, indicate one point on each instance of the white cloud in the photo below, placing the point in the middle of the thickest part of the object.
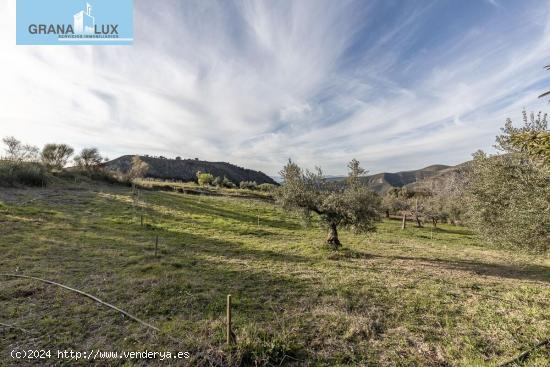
(256, 82)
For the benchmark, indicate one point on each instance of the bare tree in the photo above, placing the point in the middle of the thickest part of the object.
(18, 152)
(56, 155)
(139, 168)
(89, 159)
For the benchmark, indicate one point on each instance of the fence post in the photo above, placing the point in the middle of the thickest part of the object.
(156, 244)
(228, 320)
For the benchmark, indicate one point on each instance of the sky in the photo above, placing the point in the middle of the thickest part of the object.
(398, 85)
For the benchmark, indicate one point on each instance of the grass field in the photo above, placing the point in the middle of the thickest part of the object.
(416, 297)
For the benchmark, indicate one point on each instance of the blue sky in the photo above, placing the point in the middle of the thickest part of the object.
(396, 84)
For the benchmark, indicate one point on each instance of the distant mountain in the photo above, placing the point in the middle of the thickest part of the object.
(186, 169)
(442, 177)
(383, 182)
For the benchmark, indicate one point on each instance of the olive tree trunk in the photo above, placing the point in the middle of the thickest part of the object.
(418, 222)
(332, 238)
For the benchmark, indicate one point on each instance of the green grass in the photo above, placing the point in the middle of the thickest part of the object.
(418, 297)
(194, 188)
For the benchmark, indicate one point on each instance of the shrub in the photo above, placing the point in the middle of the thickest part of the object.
(228, 183)
(250, 185)
(218, 182)
(204, 178)
(267, 187)
(112, 177)
(24, 173)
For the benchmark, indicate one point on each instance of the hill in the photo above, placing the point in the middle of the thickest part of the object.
(383, 182)
(186, 169)
(439, 179)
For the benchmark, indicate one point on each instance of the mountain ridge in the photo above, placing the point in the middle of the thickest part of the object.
(414, 179)
(186, 169)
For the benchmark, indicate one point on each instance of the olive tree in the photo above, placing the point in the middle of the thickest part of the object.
(435, 208)
(509, 194)
(532, 139)
(396, 202)
(350, 204)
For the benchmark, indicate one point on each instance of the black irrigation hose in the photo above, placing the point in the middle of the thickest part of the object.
(86, 295)
(522, 356)
(212, 363)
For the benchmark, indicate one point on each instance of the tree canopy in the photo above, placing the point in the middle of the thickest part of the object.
(508, 195)
(89, 159)
(350, 204)
(56, 155)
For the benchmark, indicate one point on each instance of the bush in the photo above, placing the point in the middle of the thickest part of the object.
(23, 173)
(218, 182)
(267, 187)
(228, 183)
(204, 178)
(250, 185)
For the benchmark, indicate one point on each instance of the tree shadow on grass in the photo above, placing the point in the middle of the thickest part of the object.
(459, 231)
(203, 207)
(528, 272)
(197, 244)
(531, 272)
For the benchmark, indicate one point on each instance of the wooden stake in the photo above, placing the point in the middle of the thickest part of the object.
(228, 320)
(156, 244)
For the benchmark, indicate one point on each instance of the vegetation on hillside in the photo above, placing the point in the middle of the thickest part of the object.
(186, 169)
(26, 165)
